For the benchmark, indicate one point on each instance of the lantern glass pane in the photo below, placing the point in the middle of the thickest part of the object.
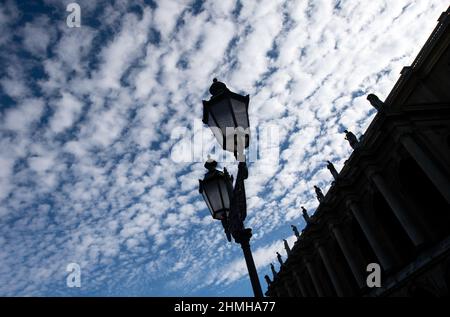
(240, 113)
(211, 121)
(221, 111)
(211, 187)
(205, 197)
(225, 196)
(218, 134)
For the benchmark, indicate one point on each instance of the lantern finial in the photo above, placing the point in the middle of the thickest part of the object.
(217, 87)
(210, 164)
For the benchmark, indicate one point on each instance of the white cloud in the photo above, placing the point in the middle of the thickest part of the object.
(40, 164)
(37, 36)
(22, 117)
(125, 47)
(68, 108)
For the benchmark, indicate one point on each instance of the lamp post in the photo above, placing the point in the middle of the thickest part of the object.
(226, 113)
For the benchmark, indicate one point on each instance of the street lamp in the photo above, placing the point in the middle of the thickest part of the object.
(216, 189)
(226, 113)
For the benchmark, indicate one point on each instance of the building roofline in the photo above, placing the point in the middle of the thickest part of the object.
(430, 44)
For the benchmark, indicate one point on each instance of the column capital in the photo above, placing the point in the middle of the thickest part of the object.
(403, 131)
(319, 243)
(351, 200)
(372, 170)
(334, 223)
(307, 259)
(431, 165)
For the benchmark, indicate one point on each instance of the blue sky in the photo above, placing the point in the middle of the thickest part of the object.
(99, 126)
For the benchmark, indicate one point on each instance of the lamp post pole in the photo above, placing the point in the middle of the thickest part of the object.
(241, 234)
(244, 240)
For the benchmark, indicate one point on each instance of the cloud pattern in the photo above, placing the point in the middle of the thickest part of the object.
(88, 119)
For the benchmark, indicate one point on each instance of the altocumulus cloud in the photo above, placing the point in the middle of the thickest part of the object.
(87, 118)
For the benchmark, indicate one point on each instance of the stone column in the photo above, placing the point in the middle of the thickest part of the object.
(277, 290)
(331, 270)
(428, 165)
(384, 253)
(289, 290)
(315, 279)
(353, 259)
(300, 285)
(405, 217)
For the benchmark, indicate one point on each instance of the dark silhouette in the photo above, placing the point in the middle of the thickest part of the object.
(352, 139)
(272, 268)
(375, 102)
(305, 215)
(333, 170)
(319, 194)
(268, 281)
(297, 234)
(217, 87)
(286, 247)
(279, 258)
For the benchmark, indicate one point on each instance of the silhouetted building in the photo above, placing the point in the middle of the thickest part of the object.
(390, 204)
